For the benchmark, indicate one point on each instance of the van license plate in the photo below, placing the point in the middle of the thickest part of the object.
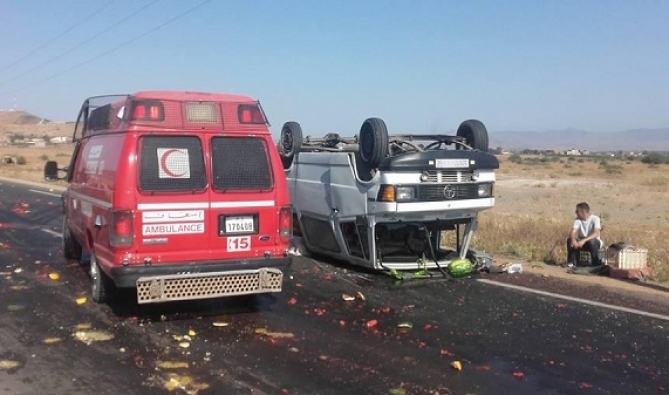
(451, 163)
(244, 224)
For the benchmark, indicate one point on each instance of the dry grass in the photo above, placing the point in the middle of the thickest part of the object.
(532, 222)
(534, 203)
(35, 159)
(543, 239)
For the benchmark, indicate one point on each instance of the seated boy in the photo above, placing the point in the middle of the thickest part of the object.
(584, 235)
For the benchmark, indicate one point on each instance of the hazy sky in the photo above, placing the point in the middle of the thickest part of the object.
(423, 66)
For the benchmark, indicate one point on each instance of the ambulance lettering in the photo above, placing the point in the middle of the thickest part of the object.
(92, 160)
(172, 229)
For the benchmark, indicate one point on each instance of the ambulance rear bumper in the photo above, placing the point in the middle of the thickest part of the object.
(127, 276)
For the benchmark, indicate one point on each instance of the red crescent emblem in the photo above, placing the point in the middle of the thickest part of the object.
(163, 163)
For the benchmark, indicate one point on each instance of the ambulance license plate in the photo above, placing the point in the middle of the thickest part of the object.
(239, 225)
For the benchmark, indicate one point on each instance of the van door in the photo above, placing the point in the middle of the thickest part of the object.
(172, 201)
(245, 213)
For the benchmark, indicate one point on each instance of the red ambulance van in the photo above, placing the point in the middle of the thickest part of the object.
(181, 195)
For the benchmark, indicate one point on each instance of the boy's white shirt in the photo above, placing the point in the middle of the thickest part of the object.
(587, 226)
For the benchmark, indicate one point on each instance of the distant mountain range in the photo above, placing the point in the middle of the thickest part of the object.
(628, 140)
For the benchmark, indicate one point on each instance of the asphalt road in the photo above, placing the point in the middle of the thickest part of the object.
(307, 340)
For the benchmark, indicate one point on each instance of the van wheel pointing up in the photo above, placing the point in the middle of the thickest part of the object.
(475, 134)
(373, 142)
(290, 142)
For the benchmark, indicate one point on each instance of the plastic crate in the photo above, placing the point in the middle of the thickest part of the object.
(627, 258)
(584, 258)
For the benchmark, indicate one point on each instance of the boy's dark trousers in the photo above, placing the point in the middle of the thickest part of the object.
(591, 246)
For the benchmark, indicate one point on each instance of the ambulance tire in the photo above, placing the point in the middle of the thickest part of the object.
(290, 142)
(72, 250)
(475, 134)
(102, 287)
(373, 142)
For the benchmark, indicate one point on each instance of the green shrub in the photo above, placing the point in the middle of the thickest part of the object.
(655, 158)
(515, 158)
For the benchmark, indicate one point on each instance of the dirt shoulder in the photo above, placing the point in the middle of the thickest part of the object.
(552, 278)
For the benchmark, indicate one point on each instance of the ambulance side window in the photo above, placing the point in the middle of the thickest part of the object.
(171, 163)
(240, 163)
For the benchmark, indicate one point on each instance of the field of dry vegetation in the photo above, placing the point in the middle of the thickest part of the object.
(535, 201)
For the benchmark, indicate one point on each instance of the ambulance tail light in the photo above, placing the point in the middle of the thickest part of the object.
(153, 111)
(121, 228)
(250, 114)
(286, 223)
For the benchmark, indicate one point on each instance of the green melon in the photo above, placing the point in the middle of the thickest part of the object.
(460, 267)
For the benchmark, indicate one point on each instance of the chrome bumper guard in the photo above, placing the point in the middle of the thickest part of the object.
(158, 289)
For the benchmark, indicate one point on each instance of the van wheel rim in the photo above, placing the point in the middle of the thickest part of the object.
(288, 141)
(94, 276)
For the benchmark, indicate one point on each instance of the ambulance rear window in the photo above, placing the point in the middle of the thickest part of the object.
(171, 163)
(240, 163)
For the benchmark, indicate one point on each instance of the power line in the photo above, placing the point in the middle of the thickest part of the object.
(69, 29)
(130, 16)
(188, 11)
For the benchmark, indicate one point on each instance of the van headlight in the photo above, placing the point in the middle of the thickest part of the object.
(485, 190)
(403, 194)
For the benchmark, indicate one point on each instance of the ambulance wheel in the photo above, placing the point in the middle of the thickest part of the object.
(102, 286)
(71, 248)
(290, 142)
(373, 142)
(475, 134)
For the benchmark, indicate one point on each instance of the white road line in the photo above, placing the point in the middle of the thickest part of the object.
(45, 193)
(578, 300)
(51, 232)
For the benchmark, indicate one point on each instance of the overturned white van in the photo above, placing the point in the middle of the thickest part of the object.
(402, 202)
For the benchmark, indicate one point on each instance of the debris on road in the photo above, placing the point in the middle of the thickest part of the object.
(457, 365)
(347, 297)
(7, 364)
(171, 365)
(90, 336)
(372, 323)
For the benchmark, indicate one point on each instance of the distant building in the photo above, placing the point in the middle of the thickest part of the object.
(58, 140)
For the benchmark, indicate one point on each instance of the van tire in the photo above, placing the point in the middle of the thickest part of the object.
(102, 286)
(290, 142)
(475, 134)
(373, 142)
(72, 250)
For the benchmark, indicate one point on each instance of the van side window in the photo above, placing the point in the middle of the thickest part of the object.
(240, 163)
(171, 163)
(99, 118)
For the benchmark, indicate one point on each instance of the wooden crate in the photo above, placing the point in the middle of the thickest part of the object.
(627, 258)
